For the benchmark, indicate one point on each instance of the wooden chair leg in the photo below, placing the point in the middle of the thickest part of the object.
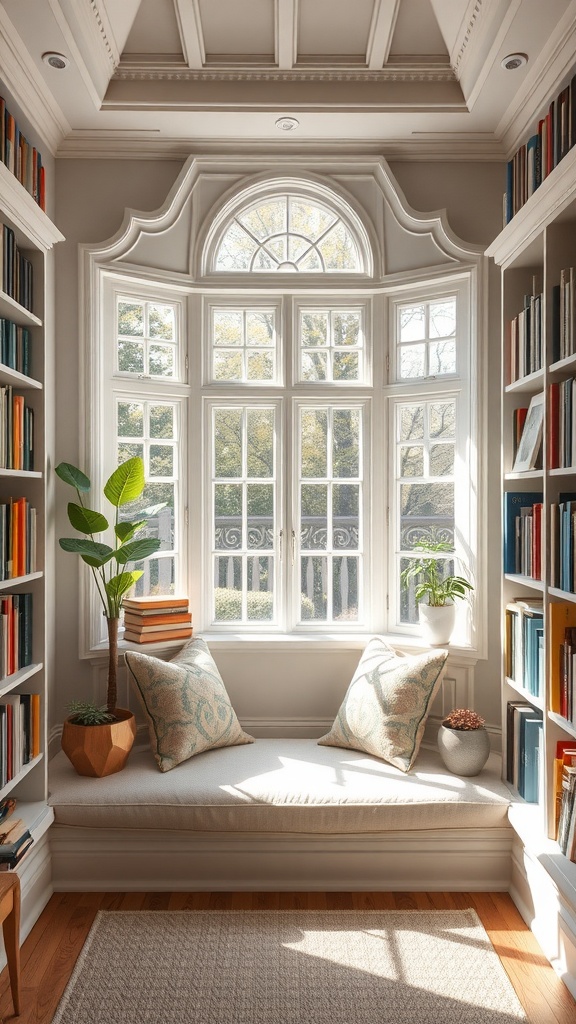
(11, 931)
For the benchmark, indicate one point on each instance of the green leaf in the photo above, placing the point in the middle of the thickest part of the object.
(126, 482)
(118, 586)
(139, 549)
(124, 531)
(91, 551)
(85, 520)
(73, 476)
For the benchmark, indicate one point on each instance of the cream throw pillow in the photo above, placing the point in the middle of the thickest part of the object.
(186, 704)
(386, 705)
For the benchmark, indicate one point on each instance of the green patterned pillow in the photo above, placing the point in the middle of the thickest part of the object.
(186, 704)
(386, 705)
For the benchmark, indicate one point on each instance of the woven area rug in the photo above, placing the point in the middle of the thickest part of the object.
(288, 967)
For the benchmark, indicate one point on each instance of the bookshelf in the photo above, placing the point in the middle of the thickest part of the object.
(24, 357)
(534, 252)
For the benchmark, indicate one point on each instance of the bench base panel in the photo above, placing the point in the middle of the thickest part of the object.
(93, 860)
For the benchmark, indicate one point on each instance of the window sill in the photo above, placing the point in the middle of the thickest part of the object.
(294, 641)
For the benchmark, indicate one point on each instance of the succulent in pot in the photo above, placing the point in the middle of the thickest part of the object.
(463, 742)
(108, 565)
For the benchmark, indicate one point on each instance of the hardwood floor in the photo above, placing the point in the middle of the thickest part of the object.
(51, 950)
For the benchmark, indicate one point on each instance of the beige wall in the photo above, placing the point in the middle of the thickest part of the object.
(90, 203)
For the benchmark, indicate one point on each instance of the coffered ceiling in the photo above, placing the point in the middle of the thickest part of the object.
(419, 77)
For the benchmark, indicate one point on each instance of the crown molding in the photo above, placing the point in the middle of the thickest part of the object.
(87, 43)
(133, 146)
(554, 64)
(27, 86)
(406, 71)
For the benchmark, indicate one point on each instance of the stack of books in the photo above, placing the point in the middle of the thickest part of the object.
(15, 837)
(150, 620)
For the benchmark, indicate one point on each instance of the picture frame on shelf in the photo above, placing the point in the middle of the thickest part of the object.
(531, 439)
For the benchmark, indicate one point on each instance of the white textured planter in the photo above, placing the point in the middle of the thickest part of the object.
(436, 623)
(463, 751)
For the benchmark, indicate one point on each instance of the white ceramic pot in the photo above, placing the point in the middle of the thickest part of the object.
(463, 751)
(436, 623)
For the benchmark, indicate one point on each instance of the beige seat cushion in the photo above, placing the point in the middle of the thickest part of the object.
(279, 786)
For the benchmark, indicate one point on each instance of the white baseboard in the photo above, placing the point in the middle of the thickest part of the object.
(134, 860)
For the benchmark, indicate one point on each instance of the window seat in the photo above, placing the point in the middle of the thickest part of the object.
(279, 814)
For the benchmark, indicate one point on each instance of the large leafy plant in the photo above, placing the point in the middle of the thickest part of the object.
(431, 581)
(108, 562)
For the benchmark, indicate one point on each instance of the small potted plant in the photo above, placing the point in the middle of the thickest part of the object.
(98, 739)
(435, 591)
(463, 742)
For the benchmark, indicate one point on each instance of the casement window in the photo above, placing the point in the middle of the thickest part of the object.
(303, 425)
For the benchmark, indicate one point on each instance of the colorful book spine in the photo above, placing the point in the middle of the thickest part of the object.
(17, 153)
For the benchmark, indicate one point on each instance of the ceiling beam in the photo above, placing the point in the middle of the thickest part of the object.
(190, 28)
(381, 32)
(286, 21)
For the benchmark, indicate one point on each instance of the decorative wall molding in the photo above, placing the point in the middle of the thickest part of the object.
(469, 24)
(424, 72)
(99, 16)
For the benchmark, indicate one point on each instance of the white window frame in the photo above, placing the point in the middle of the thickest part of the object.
(242, 302)
(320, 303)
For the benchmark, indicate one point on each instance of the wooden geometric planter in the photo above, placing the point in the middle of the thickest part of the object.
(99, 750)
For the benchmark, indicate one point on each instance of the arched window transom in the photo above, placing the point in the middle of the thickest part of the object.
(288, 233)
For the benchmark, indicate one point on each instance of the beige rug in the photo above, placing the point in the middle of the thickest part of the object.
(288, 967)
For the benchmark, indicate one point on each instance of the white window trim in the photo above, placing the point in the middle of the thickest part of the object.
(242, 302)
(321, 302)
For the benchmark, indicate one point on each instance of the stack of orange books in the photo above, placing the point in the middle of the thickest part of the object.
(149, 620)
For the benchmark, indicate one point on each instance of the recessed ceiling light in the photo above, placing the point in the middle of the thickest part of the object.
(287, 124)
(513, 61)
(55, 60)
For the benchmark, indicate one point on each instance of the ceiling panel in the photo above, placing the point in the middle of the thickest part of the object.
(237, 26)
(155, 29)
(334, 26)
(417, 30)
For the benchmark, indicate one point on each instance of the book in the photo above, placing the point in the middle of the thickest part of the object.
(514, 502)
(136, 622)
(154, 602)
(13, 835)
(167, 634)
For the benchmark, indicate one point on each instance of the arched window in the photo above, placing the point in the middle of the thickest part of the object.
(289, 232)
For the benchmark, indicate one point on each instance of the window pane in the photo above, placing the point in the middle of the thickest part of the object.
(442, 356)
(345, 516)
(260, 328)
(412, 461)
(442, 419)
(131, 318)
(411, 422)
(265, 219)
(345, 589)
(260, 595)
(158, 576)
(228, 516)
(338, 249)
(443, 318)
(314, 366)
(309, 219)
(260, 438)
(228, 366)
(162, 360)
(346, 328)
(260, 366)
(130, 419)
(161, 421)
(236, 249)
(413, 361)
(161, 460)
(226, 327)
(157, 504)
(441, 460)
(260, 522)
(314, 329)
(130, 357)
(161, 321)
(228, 442)
(345, 366)
(228, 589)
(346, 443)
(129, 451)
(314, 458)
(313, 582)
(435, 501)
(412, 323)
(314, 516)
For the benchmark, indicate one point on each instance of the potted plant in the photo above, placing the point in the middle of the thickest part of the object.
(98, 739)
(435, 591)
(463, 742)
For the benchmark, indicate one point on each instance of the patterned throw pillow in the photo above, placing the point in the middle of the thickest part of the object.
(186, 704)
(386, 705)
